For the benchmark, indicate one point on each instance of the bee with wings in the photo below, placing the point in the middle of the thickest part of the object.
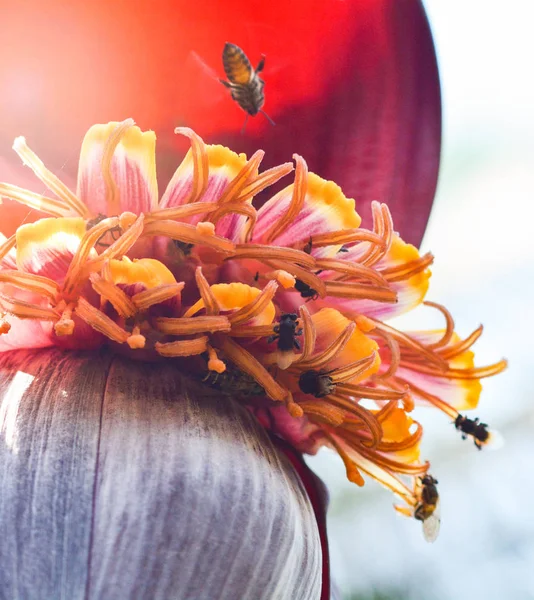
(428, 510)
(244, 82)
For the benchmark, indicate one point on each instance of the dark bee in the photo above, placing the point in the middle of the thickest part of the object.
(233, 382)
(316, 383)
(427, 510)
(343, 249)
(305, 290)
(474, 428)
(184, 247)
(285, 332)
(114, 232)
(244, 82)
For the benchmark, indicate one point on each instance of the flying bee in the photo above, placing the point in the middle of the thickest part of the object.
(244, 82)
(286, 332)
(427, 509)
(233, 382)
(480, 432)
(316, 383)
(114, 232)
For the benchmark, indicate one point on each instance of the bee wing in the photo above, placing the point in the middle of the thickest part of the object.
(432, 524)
(495, 440)
(203, 82)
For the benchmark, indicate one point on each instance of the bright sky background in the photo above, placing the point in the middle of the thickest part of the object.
(481, 234)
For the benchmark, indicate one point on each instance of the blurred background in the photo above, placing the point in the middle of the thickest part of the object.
(481, 234)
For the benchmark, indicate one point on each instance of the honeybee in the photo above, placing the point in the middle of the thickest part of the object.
(233, 382)
(244, 82)
(427, 509)
(480, 432)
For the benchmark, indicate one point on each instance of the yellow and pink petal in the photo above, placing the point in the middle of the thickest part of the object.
(308, 207)
(48, 246)
(117, 170)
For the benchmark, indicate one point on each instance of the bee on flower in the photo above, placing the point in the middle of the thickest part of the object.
(201, 277)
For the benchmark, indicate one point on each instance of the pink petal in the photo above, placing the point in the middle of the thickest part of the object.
(26, 333)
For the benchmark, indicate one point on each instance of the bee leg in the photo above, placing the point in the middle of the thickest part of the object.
(296, 344)
(272, 338)
(226, 83)
(244, 125)
(261, 64)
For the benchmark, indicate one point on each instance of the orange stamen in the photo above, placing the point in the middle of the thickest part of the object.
(53, 183)
(247, 210)
(353, 474)
(263, 181)
(112, 191)
(192, 325)
(235, 187)
(210, 302)
(181, 212)
(33, 283)
(352, 269)
(331, 352)
(300, 187)
(256, 307)
(188, 234)
(200, 164)
(183, 347)
(121, 302)
(53, 207)
(100, 322)
(27, 310)
(264, 253)
(147, 298)
(249, 364)
(346, 289)
(323, 412)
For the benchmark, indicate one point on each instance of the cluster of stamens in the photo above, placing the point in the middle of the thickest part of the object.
(277, 357)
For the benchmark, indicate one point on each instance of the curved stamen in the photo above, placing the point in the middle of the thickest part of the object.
(235, 187)
(256, 307)
(263, 253)
(455, 350)
(298, 197)
(33, 283)
(200, 164)
(263, 181)
(309, 335)
(449, 328)
(409, 269)
(347, 289)
(352, 269)
(246, 210)
(323, 411)
(53, 207)
(315, 283)
(340, 238)
(210, 302)
(353, 370)
(331, 352)
(189, 234)
(121, 302)
(353, 474)
(52, 182)
(112, 191)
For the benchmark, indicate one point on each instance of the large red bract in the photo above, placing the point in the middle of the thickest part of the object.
(352, 85)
